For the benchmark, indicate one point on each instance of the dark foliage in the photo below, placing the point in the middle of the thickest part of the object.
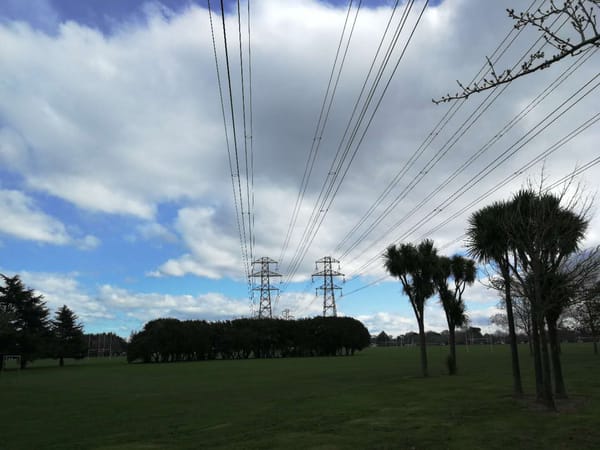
(105, 345)
(170, 340)
(23, 321)
(67, 336)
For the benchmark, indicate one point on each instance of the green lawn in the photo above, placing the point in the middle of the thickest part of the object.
(372, 400)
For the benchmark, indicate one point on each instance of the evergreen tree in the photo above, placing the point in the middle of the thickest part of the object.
(28, 323)
(67, 336)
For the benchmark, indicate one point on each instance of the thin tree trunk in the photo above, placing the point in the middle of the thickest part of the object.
(548, 399)
(61, 362)
(559, 382)
(514, 350)
(423, 345)
(452, 343)
(537, 359)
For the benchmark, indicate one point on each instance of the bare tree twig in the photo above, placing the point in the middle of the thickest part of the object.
(581, 14)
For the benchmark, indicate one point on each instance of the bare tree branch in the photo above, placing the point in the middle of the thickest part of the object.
(581, 14)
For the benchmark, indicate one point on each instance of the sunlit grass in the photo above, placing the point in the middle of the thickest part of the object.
(375, 399)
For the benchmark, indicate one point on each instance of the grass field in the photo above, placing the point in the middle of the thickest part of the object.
(372, 400)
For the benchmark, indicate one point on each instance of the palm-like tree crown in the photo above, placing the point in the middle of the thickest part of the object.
(415, 267)
(487, 237)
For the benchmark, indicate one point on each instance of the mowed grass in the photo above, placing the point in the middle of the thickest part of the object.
(375, 399)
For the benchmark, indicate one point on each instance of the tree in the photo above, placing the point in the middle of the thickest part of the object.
(29, 319)
(415, 268)
(383, 339)
(521, 311)
(545, 231)
(586, 312)
(171, 340)
(584, 34)
(462, 271)
(489, 242)
(67, 334)
(583, 270)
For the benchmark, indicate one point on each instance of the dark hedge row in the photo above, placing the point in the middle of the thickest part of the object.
(168, 340)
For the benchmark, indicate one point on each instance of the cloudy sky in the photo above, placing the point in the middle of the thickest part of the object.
(116, 193)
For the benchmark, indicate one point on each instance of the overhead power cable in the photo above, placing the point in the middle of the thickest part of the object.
(578, 171)
(441, 124)
(467, 124)
(335, 185)
(320, 126)
(237, 205)
(246, 158)
(509, 125)
(542, 125)
(251, 137)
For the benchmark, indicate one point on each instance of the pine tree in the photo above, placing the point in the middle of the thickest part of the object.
(67, 336)
(26, 317)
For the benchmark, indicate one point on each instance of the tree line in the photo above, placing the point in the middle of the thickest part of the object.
(531, 246)
(27, 330)
(171, 340)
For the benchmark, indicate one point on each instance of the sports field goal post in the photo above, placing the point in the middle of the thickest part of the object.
(11, 362)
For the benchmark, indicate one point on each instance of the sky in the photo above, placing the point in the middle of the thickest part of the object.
(116, 193)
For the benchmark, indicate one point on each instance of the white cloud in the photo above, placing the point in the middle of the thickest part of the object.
(396, 324)
(126, 123)
(155, 231)
(22, 218)
(65, 289)
(110, 306)
(147, 306)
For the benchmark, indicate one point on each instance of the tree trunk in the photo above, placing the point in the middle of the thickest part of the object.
(516, 370)
(537, 359)
(452, 343)
(595, 346)
(559, 382)
(61, 361)
(548, 399)
(423, 345)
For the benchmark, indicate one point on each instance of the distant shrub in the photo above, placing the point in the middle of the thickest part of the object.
(169, 340)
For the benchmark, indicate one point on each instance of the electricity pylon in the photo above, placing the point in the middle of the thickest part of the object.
(265, 274)
(328, 287)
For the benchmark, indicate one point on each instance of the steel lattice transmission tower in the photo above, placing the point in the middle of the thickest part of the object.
(328, 287)
(265, 274)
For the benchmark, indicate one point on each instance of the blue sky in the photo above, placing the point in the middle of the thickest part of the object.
(115, 192)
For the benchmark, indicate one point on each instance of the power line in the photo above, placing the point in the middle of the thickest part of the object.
(536, 160)
(228, 146)
(433, 161)
(320, 127)
(509, 125)
(578, 171)
(333, 189)
(508, 153)
(235, 142)
(251, 131)
(246, 159)
(441, 124)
